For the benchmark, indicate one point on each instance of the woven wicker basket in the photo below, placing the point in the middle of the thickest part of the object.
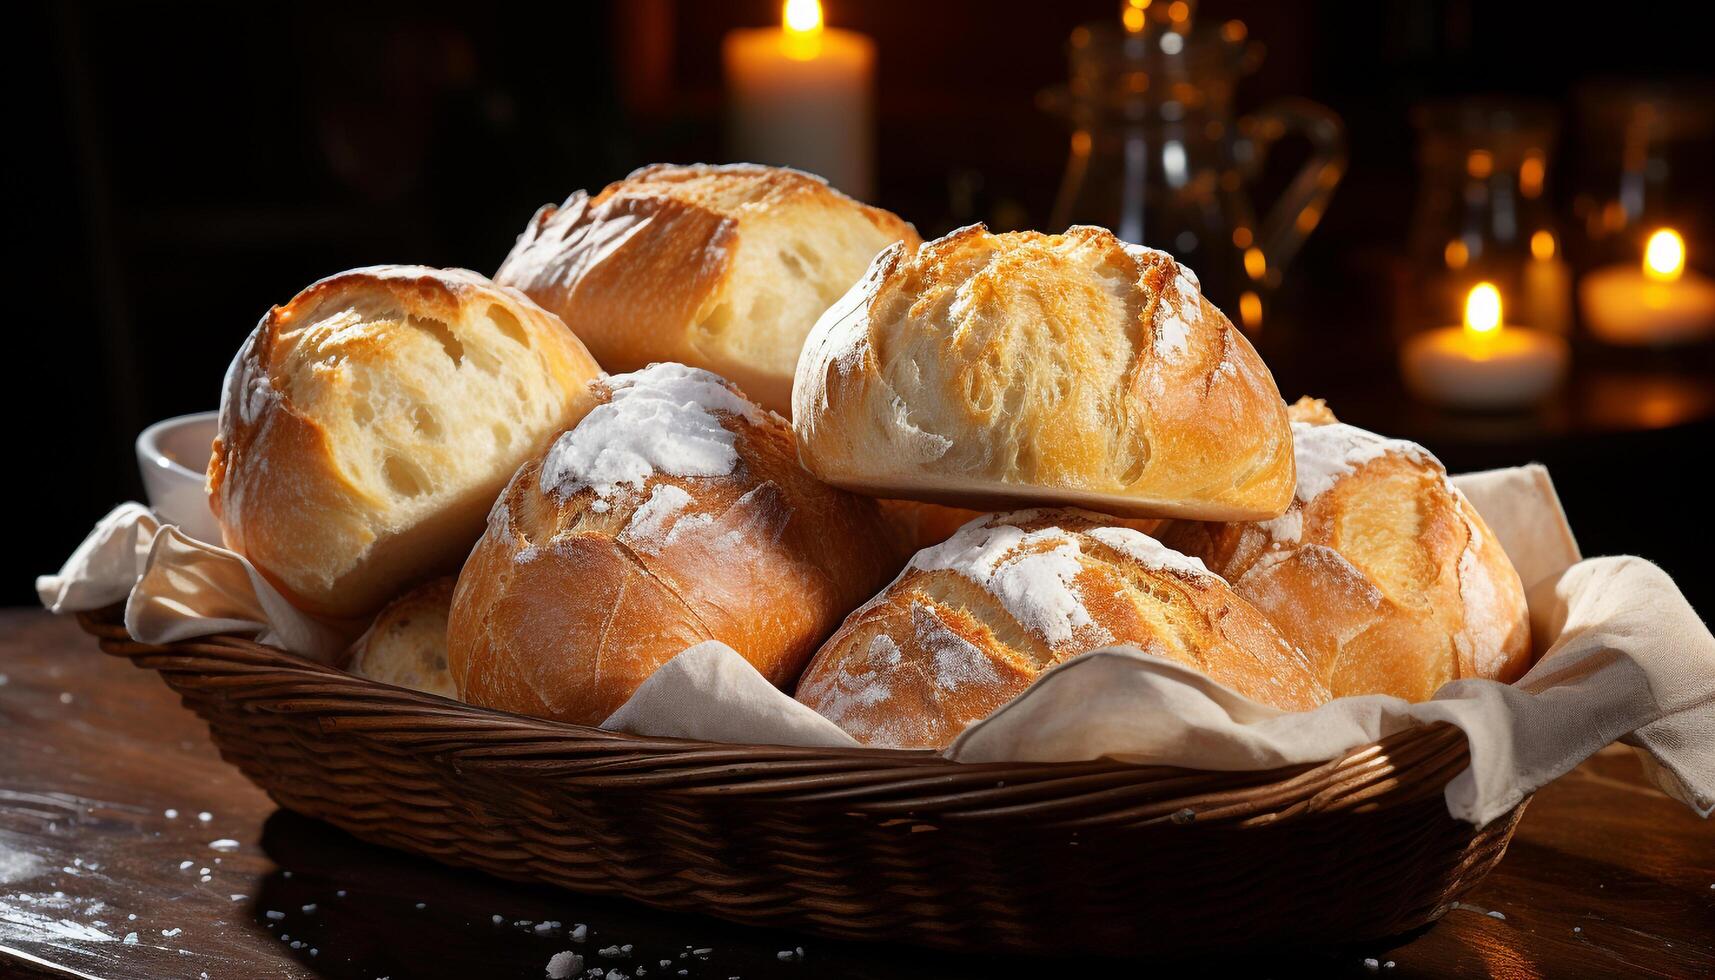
(866, 844)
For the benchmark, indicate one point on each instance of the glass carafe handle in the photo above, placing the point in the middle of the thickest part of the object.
(1302, 204)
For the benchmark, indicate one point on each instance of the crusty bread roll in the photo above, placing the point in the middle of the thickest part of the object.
(1381, 571)
(676, 512)
(366, 426)
(406, 645)
(989, 370)
(972, 622)
(724, 268)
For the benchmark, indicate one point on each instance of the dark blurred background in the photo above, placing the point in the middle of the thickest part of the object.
(186, 166)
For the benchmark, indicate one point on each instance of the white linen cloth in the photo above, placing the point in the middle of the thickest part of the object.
(1622, 656)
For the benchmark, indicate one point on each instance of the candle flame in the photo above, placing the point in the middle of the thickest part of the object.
(1483, 310)
(1542, 245)
(1250, 311)
(802, 38)
(802, 16)
(1664, 256)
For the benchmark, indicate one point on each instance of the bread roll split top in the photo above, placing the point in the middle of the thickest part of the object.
(992, 371)
(1381, 571)
(367, 425)
(974, 621)
(720, 267)
(674, 513)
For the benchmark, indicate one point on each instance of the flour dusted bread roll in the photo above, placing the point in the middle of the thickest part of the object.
(987, 371)
(724, 268)
(406, 645)
(367, 425)
(676, 512)
(1381, 571)
(974, 621)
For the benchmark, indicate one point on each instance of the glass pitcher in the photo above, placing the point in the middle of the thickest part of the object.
(1158, 156)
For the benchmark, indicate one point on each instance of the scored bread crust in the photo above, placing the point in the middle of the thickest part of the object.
(971, 623)
(1381, 571)
(406, 644)
(577, 593)
(720, 267)
(994, 371)
(366, 426)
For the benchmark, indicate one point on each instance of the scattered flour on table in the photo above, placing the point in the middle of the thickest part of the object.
(41, 919)
(565, 964)
(17, 865)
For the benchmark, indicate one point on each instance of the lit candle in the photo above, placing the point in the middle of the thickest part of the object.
(1547, 285)
(1661, 303)
(799, 95)
(1483, 364)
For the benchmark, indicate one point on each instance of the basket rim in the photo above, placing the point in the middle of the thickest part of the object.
(1400, 768)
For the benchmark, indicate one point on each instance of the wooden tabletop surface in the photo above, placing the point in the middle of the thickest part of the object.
(129, 849)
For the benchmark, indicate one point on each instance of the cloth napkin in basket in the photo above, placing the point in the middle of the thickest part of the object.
(1622, 656)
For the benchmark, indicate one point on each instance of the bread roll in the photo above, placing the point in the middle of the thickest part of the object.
(676, 512)
(366, 426)
(1381, 571)
(973, 622)
(406, 646)
(988, 370)
(724, 268)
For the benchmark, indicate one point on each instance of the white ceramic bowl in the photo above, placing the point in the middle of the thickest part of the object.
(173, 455)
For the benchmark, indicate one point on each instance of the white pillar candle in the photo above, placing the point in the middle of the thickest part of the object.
(800, 95)
(1483, 364)
(1658, 303)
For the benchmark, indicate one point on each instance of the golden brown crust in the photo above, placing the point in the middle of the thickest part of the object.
(366, 426)
(922, 525)
(973, 622)
(1381, 572)
(406, 645)
(720, 267)
(578, 592)
(990, 370)
(1314, 411)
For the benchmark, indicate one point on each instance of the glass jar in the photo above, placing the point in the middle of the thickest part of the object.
(1483, 215)
(1644, 158)
(1159, 157)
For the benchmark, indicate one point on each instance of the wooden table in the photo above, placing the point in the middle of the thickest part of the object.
(112, 799)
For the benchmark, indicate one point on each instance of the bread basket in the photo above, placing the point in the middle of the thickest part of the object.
(1101, 857)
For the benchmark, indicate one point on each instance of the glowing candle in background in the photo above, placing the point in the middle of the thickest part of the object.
(1547, 285)
(1483, 364)
(1659, 302)
(801, 95)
